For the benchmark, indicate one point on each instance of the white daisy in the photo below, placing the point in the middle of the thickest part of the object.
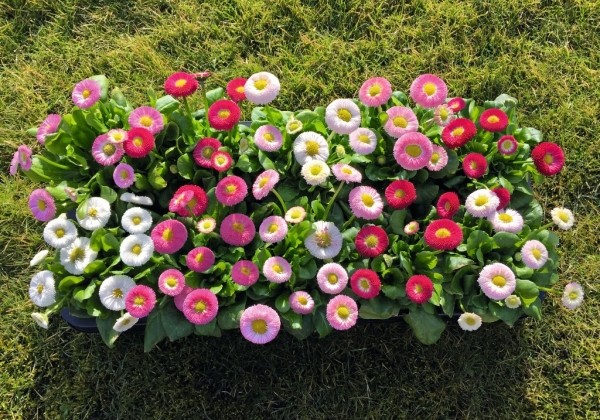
(363, 141)
(315, 172)
(40, 319)
(469, 321)
(38, 258)
(293, 125)
(77, 255)
(125, 322)
(512, 301)
(206, 225)
(41, 289)
(96, 212)
(262, 88)
(113, 291)
(325, 242)
(310, 146)
(117, 136)
(342, 116)
(482, 203)
(563, 218)
(295, 215)
(136, 249)
(572, 295)
(60, 232)
(507, 220)
(136, 220)
(140, 200)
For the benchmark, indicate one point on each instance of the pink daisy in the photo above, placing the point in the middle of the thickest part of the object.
(507, 145)
(363, 141)
(204, 150)
(268, 138)
(105, 152)
(231, 190)
(245, 273)
(237, 229)
(221, 161)
(200, 259)
(301, 302)
(400, 194)
(171, 282)
(200, 306)
(186, 205)
(148, 118)
(180, 298)
(123, 175)
(117, 136)
(277, 270)
(534, 254)
(401, 120)
(223, 115)
(42, 205)
(439, 159)
(475, 165)
(332, 278)
(14, 164)
(443, 115)
(180, 84)
(419, 288)
(235, 89)
(346, 173)
(456, 104)
(169, 236)
(365, 283)
(260, 324)
(413, 151)
(428, 91)
(493, 120)
(86, 93)
(342, 312)
(411, 228)
(140, 301)
(375, 92)
(273, 229)
(140, 142)
(24, 155)
(366, 202)
(264, 183)
(47, 127)
(497, 281)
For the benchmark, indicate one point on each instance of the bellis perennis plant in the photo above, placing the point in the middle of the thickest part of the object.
(189, 221)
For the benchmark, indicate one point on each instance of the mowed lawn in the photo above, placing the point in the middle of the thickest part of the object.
(546, 54)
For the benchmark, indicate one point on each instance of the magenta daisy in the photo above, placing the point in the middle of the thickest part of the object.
(24, 156)
(47, 127)
(401, 120)
(375, 92)
(428, 91)
(237, 229)
(200, 306)
(273, 229)
(148, 118)
(346, 173)
(204, 150)
(221, 161)
(438, 160)
(365, 283)
(245, 273)
(264, 183)
(366, 202)
(413, 151)
(497, 281)
(332, 278)
(123, 175)
(277, 270)
(342, 312)
(363, 141)
(171, 282)
(200, 259)
(260, 324)
(140, 301)
(534, 254)
(42, 205)
(86, 93)
(169, 236)
(507, 145)
(268, 138)
(105, 152)
(231, 190)
(301, 302)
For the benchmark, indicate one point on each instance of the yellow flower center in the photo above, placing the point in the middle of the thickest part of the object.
(199, 257)
(273, 228)
(367, 200)
(238, 227)
(562, 215)
(231, 188)
(399, 194)
(375, 89)
(473, 164)
(363, 138)
(548, 158)
(344, 114)
(221, 160)
(136, 249)
(171, 281)
(418, 288)
(76, 254)
(117, 293)
(137, 141)
(260, 84)
(435, 157)
(167, 234)
(245, 271)
(442, 233)
(224, 113)
(86, 93)
(277, 268)
(296, 214)
(493, 119)
(573, 295)
(537, 254)
(136, 220)
(447, 206)
(118, 136)
(39, 288)
(315, 170)
(458, 131)
(200, 306)
(146, 121)
(312, 148)
(499, 280)
(371, 241)
(470, 320)
(259, 326)
(482, 200)
(207, 152)
(323, 239)
(239, 89)
(505, 217)
(41, 205)
(263, 181)
(444, 114)
(429, 88)
(109, 149)
(343, 312)
(400, 122)
(92, 212)
(302, 300)
(139, 301)
(294, 125)
(124, 174)
(207, 224)
(268, 137)
(413, 150)
(332, 278)
(364, 284)
(180, 83)
(60, 232)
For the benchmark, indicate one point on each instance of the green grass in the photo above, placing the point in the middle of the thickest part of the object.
(547, 54)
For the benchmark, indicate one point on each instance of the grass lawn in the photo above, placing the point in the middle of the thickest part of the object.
(546, 54)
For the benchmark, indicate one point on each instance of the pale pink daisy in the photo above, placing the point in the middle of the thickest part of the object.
(105, 152)
(332, 278)
(346, 173)
(268, 138)
(47, 127)
(301, 302)
(401, 120)
(482, 203)
(200, 306)
(413, 151)
(411, 228)
(363, 141)
(438, 160)
(86, 93)
(342, 312)
(171, 282)
(123, 175)
(200, 259)
(469, 321)
(443, 115)
(117, 136)
(260, 324)
(237, 229)
(342, 116)
(325, 241)
(264, 183)
(140, 300)
(428, 91)
(534, 254)
(375, 92)
(42, 205)
(24, 156)
(366, 202)
(169, 236)
(277, 270)
(497, 281)
(572, 296)
(295, 215)
(245, 273)
(231, 190)
(273, 229)
(262, 88)
(506, 220)
(148, 118)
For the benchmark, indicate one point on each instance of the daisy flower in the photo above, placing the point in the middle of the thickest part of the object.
(140, 301)
(325, 241)
(193, 206)
(506, 220)
(76, 256)
(493, 120)
(140, 200)
(301, 302)
(125, 322)
(202, 75)
(277, 270)
(456, 104)
(42, 205)
(262, 88)
(295, 215)
(237, 229)
(563, 218)
(371, 241)
(342, 312)
(413, 151)
(106, 152)
(200, 306)
(400, 120)
(411, 228)
(245, 273)
(123, 175)
(171, 282)
(136, 220)
(223, 115)
(443, 115)
(117, 136)
(438, 160)
(95, 213)
(310, 146)
(572, 296)
(200, 259)
(315, 172)
(497, 281)
(375, 92)
(180, 298)
(41, 289)
(512, 302)
(40, 319)
(332, 278)
(365, 283)
(400, 194)
(366, 202)
(48, 127)
(469, 321)
(169, 236)
(503, 195)
(231, 190)
(71, 193)
(482, 203)
(363, 141)
(206, 225)
(346, 173)
(443, 234)
(268, 138)
(475, 165)
(180, 84)
(293, 126)
(14, 164)
(38, 258)
(419, 288)
(447, 205)
(428, 91)
(260, 324)
(113, 290)
(60, 232)
(139, 143)
(136, 250)
(24, 154)
(235, 89)
(534, 254)
(342, 116)
(204, 150)
(264, 183)
(548, 158)
(221, 161)
(148, 118)
(273, 229)
(86, 93)
(507, 145)
(458, 132)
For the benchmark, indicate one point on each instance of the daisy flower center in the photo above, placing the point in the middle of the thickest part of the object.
(312, 148)
(315, 170)
(124, 174)
(367, 200)
(146, 121)
(400, 122)
(109, 149)
(323, 239)
(136, 220)
(429, 89)
(512, 300)
(294, 125)
(343, 312)
(458, 131)
(207, 152)
(371, 241)
(92, 212)
(199, 306)
(277, 268)
(347, 171)
(399, 194)
(332, 278)
(260, 84)
(375, 89)
(167, 234)
(435, 157)
(493, 119)
(139, 301)
(506, 145)
(268, 137)
(418, 288)
(60, 232)
(442, 233)
(447, 206)
(274, 227)
(473, 165)
(41, 205)
(117, 293)
(221, 160)
(363, 138)
(364, 284)
(137, 141)
(180, 83)
(231, 188)
(548, 158)
(39, 288)
(302, 300)
(482, 200)
(413, 150)
(199, 257)
(499, 280)
(444, 113)
(76, 254)
(572, 295)
(563, 216)
(86, 93)
(470, 321)
(296, 214)
(239, 89)
(125, 322)
(245, 271)
(263, 182)
(238, 227)
(344, 114)
(171, 281)
(136, 249)
(259, 326)
(207, 224)
(117, 136)
(223, 114)
(505, 217)
(537, 254)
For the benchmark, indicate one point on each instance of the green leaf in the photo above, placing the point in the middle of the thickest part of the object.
(95, 267)
(506, 240)
(167, 104)
(154, 332)
(247, 164)
(306, 117)
(155, 176)
(108, 194)
(282, 303)
(103, 82)
(214, 95)
(397, 221)
(211, 329)
(81, 294)
(534, 309)
(185, 166)
(509, 316)
(265, 161)
(426, 260)
(379, 307)
(110, 242)
(533, 215)
(308, 269)
(428, 328)
(318, 209)
(532, 134)
(229, 317)
(105, 328)
(68, 282)
(174, 324)
(297, 325)
(321, 324)
(527, 291)
(455, 262)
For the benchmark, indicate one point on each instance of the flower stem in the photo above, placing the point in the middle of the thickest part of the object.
(205, 100)
(280, 198)
(349, 222)
(330, 137)
(548, 290)
(330, 204)
(188, 111)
